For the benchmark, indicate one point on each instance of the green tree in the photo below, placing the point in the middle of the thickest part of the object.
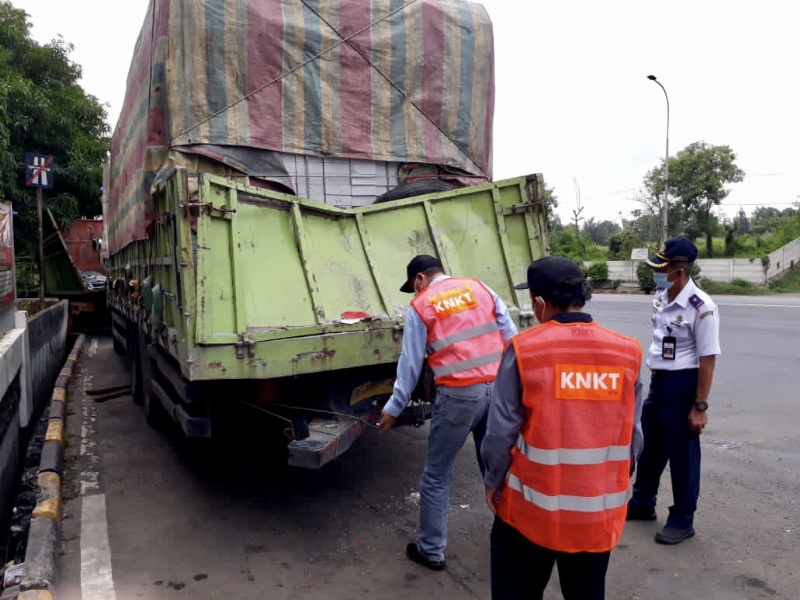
(600, 231)
(551, 202)
(697, 178)
(763, 213)
(620, 245)
(43, 109)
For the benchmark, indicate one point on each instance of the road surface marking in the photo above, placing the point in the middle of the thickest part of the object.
(723, 303)
(760, 305)
(97, 582)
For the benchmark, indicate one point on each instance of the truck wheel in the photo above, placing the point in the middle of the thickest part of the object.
(119, 349)
(137, 381)
(142, 388)
(154, 412)
(415, 188)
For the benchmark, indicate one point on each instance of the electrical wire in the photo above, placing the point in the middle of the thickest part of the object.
(327, 412)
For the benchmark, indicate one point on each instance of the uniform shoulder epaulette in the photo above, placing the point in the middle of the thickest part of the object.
(696, 301)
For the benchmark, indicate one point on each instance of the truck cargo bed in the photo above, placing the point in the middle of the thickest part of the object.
(238, 282)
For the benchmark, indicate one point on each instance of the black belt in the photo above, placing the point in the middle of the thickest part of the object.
(671, 371)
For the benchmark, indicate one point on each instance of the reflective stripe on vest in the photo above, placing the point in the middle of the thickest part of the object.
(573, 456)
(584, 504)
(464, 342)
(463, 336)
(466, 365)
(569, 479)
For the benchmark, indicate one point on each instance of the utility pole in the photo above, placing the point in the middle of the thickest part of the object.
(39, 174)
(665, 209)
(40, 211)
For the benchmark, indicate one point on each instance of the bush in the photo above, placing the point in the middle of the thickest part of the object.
(620, 245)
(645, 276)
(737, 286)
(597, 271)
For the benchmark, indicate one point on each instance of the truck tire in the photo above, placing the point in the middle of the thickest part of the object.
(415, 188)
(141, 387)
(137, 382)
(119, 349)
(154, 412)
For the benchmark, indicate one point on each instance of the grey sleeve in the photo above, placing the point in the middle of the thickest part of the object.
(637, 442)
(506, 418)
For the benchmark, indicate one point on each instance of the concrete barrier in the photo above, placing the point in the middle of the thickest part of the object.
(723, 269)
(16, 409)
(41, 556)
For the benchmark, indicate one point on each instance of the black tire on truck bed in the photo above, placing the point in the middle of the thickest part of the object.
(415, 188)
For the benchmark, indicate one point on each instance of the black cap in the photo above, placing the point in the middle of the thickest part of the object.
(418, 264)
(552, 274)
(677, 249)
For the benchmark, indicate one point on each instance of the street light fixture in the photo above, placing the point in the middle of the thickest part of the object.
(665, 225)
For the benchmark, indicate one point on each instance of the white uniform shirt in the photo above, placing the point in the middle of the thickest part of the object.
(693, 320)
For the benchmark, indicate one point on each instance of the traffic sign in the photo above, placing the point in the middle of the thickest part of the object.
(38, 170)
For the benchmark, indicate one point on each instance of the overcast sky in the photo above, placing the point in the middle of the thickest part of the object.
(573, 101)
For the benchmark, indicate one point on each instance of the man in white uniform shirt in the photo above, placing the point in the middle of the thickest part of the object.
(681, 358)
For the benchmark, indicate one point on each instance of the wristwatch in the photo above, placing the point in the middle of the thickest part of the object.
(702, 406)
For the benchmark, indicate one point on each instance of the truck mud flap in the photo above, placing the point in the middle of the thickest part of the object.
(327, 440)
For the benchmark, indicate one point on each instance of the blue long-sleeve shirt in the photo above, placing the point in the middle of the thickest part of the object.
(412, 353)
(507, 415)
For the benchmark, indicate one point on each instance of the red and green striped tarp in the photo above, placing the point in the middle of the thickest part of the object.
(406, 81)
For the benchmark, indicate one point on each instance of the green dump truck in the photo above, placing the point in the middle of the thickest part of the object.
(263, 198)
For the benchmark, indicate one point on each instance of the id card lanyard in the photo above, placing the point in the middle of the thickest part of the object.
(668, 345)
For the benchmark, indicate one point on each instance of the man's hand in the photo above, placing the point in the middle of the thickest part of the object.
(386, 422)
(491, 499)
(698, 419)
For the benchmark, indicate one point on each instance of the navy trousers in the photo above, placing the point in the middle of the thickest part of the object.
(667, 438)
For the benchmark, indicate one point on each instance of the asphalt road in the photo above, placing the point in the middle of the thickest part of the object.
(153, 516)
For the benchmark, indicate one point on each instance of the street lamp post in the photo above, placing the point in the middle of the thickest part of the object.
(665, 225)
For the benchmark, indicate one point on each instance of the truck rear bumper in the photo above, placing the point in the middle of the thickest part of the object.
(327, 440)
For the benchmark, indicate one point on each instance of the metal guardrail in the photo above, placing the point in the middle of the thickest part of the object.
(47, 337)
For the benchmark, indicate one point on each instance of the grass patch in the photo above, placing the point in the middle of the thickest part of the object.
(788, 283)
(737, 286)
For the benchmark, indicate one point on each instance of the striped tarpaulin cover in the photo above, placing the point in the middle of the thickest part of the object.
(407, 81)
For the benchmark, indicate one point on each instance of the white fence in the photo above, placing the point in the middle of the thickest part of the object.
(724, 269)
(784, 258)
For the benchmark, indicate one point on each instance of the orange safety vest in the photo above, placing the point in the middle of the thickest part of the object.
(464, 341)
(567, 485)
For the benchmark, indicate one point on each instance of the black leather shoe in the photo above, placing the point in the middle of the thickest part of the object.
(414, 554)
(673, 535)
(640, 513)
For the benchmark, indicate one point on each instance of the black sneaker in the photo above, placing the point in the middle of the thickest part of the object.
(636, 512)
(414, 554)
(673, 535)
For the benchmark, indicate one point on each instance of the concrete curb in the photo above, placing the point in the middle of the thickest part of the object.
(41, 556)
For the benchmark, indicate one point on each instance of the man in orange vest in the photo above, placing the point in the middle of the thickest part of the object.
(562, 430)
(462, 326)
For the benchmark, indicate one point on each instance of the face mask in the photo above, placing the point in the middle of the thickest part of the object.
(662, 280)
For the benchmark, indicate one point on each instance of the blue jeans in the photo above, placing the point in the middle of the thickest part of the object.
(457, 412)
